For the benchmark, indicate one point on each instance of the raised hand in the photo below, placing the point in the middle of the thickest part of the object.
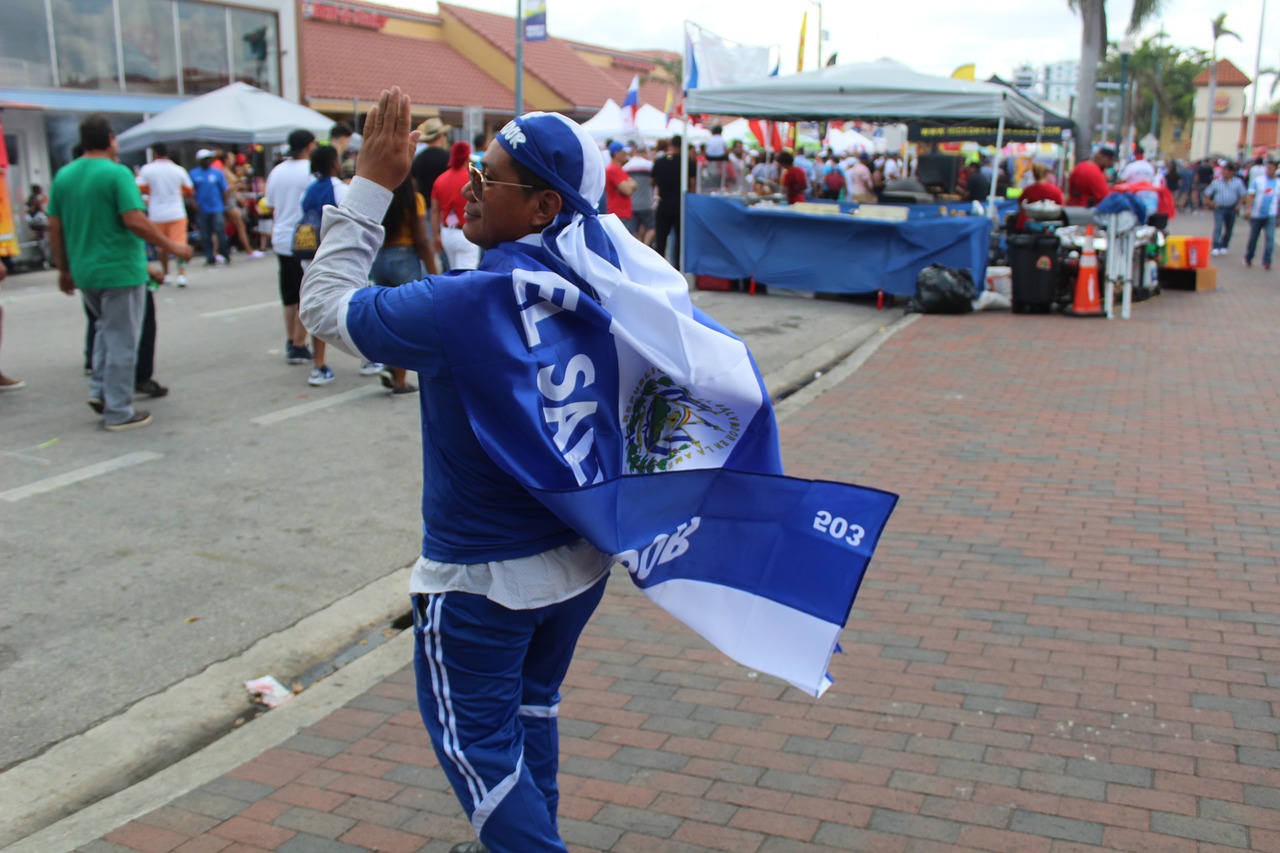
(388, 147)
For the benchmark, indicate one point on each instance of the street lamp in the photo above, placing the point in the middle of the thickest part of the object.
(1126, 48)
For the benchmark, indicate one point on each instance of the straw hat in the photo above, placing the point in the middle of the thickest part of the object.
(433, 128)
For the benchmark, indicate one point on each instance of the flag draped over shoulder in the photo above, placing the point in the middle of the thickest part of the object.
(646, 427)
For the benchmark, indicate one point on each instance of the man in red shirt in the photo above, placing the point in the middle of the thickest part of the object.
(448, 214)
(1087, 185)
(794, 180)
(618, 186)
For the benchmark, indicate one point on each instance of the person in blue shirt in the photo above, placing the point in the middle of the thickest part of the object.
(211, 192)
(503, 587)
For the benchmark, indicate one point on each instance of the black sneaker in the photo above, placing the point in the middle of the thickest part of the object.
(139, 419)
(150, 388)
(96, 404)
(298, 355)
(408, 388)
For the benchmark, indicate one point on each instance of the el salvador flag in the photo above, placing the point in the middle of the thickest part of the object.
(646, 427)
(630, 104)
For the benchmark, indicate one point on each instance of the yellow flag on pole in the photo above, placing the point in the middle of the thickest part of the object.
(804, 26)
(964, 72)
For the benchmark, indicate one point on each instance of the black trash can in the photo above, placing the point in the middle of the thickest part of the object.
(1033, 262)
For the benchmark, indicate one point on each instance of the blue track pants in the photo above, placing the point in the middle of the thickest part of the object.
(488, 690)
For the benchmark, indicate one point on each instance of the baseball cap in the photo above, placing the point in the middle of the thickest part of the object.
(615, 147)
(205, 154)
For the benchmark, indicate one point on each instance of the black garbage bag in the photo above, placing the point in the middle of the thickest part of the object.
(942, 290)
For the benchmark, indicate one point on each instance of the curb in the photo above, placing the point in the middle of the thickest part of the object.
(144, 739)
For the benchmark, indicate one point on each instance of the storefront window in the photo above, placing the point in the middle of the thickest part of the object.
(255, 49)
(150, 55)
(24, 45)
(203, 32)
(84, 32)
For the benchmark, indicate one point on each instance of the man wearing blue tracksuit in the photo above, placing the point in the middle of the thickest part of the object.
(503, 587)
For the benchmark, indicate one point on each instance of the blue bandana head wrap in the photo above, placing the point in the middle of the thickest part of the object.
(594, 252)
(561, 153)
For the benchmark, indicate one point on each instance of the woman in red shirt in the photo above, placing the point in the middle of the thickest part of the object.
(1040, 190)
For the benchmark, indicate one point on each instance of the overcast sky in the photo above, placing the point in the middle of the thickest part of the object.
(933, 36)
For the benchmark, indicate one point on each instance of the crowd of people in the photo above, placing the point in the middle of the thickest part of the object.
(426, 223)
(1227, 188)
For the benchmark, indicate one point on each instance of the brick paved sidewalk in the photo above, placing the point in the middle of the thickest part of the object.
(1070, 639)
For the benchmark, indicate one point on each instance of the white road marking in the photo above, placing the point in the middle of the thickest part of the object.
(316, 405)
(243, 309)
(48, 484)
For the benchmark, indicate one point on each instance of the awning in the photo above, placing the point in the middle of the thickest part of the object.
(76, 101)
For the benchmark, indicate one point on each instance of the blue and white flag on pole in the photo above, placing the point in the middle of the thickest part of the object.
(630, 104)
(712, 61)
(646, 427)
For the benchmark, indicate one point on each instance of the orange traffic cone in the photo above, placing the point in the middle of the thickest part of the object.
(1087, 302)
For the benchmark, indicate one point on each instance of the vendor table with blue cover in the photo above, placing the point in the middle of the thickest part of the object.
(828, 253)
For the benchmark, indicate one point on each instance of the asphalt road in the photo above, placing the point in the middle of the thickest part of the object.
(135, 560)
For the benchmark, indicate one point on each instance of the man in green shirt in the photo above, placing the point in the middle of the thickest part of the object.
(97, 225)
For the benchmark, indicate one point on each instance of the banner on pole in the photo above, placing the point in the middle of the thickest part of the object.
(535, 20)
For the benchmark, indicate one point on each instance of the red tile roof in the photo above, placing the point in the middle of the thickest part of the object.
(1228, 75)
(557, 64)
(1266, 133)
(349, 62)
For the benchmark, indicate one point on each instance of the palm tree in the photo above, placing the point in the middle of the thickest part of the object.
(1219, 30)
(1093, 44)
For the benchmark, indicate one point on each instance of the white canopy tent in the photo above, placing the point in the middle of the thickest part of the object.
(841, 141)
(885, 91)
(235, 114)
(651, 124)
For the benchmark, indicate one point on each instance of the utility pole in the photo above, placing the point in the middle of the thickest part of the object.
(1250, 137)
(1155, 102)
(1126, 48)
(519, 87)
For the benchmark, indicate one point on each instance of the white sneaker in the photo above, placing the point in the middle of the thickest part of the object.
(221, 259)
(371, 368)
(168, 279)
(182, 280)
(257, 255)
(320, 376)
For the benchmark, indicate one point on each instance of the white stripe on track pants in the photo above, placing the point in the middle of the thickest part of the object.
(488, 689)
